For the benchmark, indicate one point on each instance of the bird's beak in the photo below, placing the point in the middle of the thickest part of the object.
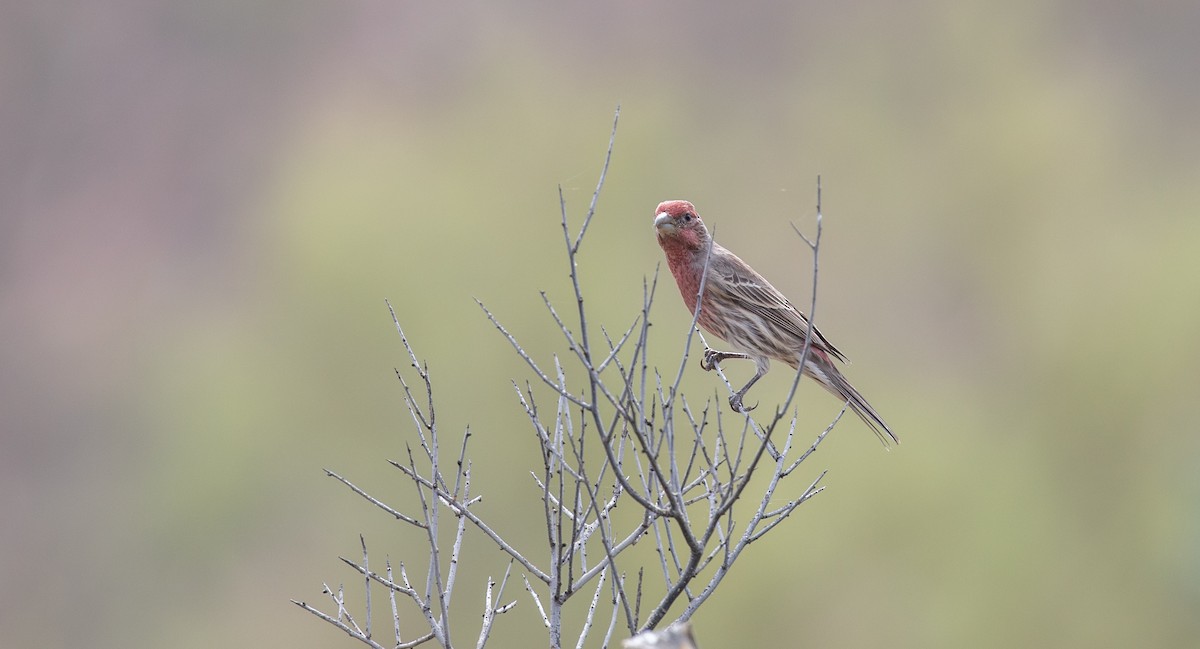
(663, 221)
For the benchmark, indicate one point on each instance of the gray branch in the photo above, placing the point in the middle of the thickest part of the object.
(623, 457)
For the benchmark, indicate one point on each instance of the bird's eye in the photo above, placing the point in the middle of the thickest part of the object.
(687, 216)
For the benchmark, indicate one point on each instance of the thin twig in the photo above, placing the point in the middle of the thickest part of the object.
(687, 478)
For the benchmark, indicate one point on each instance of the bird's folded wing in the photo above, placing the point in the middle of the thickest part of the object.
(755, 293)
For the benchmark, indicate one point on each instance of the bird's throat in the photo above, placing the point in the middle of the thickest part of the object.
(682, 262)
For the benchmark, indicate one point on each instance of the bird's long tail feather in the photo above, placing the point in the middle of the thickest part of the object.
(828, 375)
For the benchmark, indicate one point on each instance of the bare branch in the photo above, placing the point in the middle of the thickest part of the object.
(612, 140)
(676, 636)
(350, 630)
(461, 509)
(490, 611)
(537, 601)
(622, 455)
(404, 517)
(529, 360)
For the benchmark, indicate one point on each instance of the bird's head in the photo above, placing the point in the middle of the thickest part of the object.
(677, 223)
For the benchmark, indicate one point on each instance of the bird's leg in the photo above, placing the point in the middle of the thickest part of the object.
(735, 401)
(712, 357)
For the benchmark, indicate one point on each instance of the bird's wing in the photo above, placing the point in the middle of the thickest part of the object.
(752, 290)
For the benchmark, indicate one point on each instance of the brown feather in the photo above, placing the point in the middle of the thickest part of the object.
(742, 308)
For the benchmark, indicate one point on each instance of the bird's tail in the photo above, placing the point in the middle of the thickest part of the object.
(828, 375)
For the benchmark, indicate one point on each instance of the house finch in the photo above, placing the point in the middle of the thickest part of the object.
(743, 309)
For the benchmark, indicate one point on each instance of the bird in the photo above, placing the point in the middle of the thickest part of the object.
(742, 308)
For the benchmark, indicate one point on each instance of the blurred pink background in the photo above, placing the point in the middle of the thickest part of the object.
(204, 205)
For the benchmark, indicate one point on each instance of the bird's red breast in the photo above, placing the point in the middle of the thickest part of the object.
(684, 240)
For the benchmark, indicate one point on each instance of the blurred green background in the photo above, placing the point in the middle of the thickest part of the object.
(204, 205)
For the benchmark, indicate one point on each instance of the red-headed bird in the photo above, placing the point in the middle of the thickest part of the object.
(743, 309)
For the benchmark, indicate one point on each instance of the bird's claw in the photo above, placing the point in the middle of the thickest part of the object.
(735, 402)
(710, 360)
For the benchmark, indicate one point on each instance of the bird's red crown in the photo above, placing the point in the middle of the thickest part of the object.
(676, 209)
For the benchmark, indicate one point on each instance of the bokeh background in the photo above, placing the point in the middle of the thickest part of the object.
(203, 206)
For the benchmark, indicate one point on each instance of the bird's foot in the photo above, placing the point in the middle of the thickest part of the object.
(710, 360)
(735, 402)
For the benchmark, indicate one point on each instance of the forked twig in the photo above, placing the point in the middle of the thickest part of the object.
(624, 457)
